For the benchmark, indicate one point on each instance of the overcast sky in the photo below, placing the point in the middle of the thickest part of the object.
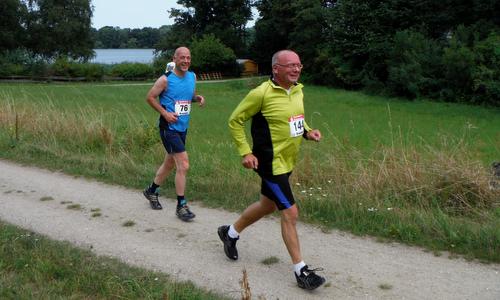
(132, 13)
(135, 13)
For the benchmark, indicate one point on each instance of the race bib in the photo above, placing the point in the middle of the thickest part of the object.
(182, 107)
(296, 125)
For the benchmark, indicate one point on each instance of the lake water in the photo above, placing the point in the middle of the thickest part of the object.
(114, 56)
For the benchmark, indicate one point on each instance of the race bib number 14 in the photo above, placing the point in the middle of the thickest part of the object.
(296, 125)
(182, 108)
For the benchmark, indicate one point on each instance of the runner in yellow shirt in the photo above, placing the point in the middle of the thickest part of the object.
(278, 127)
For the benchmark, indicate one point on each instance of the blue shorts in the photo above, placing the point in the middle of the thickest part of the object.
(277, 188)
(173, 141)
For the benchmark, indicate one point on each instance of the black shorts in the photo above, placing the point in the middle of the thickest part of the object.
(277, 188)
(173, 141)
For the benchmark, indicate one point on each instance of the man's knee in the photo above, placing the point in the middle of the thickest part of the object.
(290, 214)
(169, 162)
(182, 165)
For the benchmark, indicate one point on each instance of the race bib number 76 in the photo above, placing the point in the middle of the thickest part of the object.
(296, 125)
(182, 107)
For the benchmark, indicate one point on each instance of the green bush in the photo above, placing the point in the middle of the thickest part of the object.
(92, 72)
(9, 69)
(14, 63)
(67, 68)
(209, 54)
(62, 67)
(39, 69)
(133, 71)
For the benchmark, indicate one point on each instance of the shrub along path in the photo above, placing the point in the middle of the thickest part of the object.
(62, 208)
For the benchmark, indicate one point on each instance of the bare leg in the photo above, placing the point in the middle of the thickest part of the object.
(165, 169)
(254, 212)
(182, 167)
(289, 232)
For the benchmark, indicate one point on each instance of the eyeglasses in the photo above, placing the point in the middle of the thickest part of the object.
(292, 66)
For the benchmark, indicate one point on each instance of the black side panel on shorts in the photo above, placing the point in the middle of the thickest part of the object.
(262, 144)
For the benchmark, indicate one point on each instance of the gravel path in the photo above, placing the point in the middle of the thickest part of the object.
(355, 268)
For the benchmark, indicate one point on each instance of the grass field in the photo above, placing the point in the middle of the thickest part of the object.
(416, 172)
(33, 267)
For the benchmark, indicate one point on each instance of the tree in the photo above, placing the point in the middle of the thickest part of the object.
(360, 33)
(109, 37)
(226, 19)
(146, 37)
(13, 13)
(308, 33)
(272, 30)
(60, 28)
(415, 65)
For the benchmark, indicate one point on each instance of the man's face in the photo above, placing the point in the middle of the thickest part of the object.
(182, 59)
(287, 69)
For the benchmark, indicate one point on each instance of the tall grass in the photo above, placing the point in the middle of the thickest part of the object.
(431, 198)
(416, 172)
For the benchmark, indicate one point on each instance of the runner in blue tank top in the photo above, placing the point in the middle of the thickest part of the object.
(177, 99)
(172, 96)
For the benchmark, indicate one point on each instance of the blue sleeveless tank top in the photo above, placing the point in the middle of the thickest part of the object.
(180, 92)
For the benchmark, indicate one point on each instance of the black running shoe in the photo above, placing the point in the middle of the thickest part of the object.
(308, 279)
(153, 199)
(184, 213)
(229, 242)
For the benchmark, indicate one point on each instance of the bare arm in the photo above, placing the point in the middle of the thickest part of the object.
(160, 85)
(198, 98)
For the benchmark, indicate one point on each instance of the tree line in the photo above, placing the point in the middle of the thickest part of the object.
(441, 49)
(46, 28)
(109, 37)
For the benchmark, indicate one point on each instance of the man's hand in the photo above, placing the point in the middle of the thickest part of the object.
(314, 135)
(200, 99)
(249, 161)
(170, 117)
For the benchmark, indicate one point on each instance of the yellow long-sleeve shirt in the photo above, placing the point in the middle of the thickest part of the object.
(277, 126)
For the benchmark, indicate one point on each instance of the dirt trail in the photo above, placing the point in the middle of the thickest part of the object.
(355, 267)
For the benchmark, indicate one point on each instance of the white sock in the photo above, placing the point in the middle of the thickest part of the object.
(233, 233)
(297, 267)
